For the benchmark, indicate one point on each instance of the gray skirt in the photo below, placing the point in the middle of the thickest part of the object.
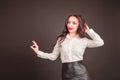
(74, 71)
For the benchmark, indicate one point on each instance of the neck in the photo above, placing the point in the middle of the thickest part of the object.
(72, 34)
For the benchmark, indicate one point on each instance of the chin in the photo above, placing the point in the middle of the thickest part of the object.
(70, 31)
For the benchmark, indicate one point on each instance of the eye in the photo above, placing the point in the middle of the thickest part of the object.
(74, 23)
(68, 22)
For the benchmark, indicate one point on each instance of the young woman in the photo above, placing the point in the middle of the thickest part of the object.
(70, 45)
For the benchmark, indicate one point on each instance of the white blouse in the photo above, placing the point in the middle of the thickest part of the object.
(72, 49)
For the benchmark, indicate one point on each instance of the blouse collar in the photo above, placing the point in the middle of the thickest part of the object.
(68, 36)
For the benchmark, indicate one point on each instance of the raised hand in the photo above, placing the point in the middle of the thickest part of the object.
(86, 28)
(35, 47)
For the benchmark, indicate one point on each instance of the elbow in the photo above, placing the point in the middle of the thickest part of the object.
(96, 44)
(101, 43)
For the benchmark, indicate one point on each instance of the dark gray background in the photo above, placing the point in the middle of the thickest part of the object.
(22, 21)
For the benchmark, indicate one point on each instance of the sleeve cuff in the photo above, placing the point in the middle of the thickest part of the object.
(39, 53)
(90, 31)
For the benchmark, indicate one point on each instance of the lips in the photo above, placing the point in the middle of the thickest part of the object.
(69, 28)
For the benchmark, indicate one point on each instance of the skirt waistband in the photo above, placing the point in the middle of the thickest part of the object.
(81, 61)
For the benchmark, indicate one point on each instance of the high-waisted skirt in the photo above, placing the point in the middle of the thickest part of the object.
(74, 71)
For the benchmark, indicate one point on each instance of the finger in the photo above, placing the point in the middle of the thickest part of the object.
(34, 43)
(87, 26)
(32, 47)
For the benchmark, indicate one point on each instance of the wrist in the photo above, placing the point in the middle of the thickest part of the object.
(87, 30)
(36, 51)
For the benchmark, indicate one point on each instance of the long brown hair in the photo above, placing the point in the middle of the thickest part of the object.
(80, 31)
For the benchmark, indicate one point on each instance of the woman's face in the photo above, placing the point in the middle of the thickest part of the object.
(72, 24)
